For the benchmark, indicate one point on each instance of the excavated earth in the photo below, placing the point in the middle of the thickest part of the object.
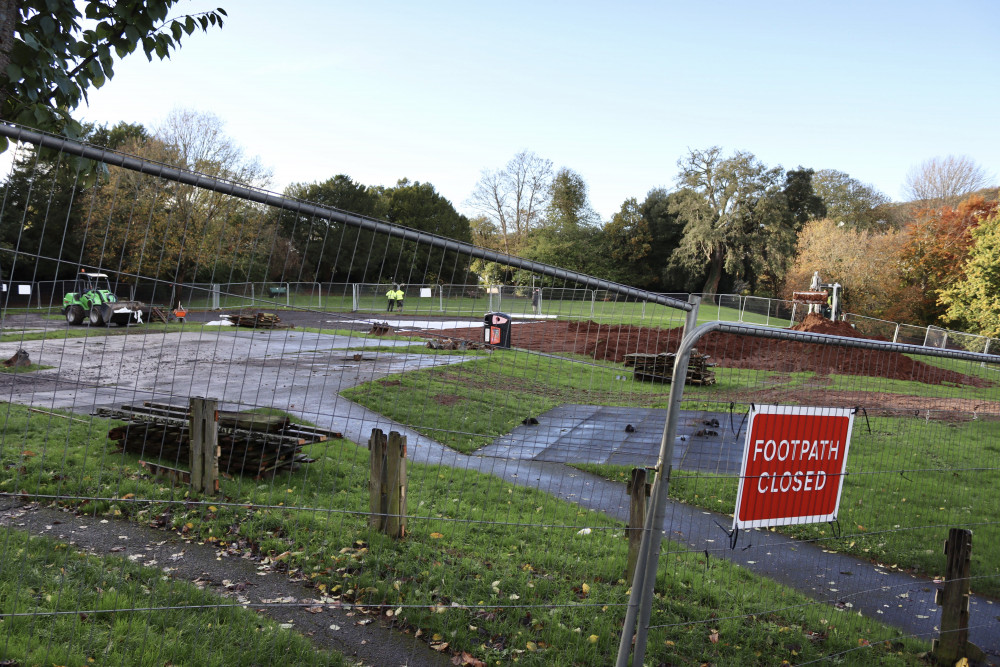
(613, 342)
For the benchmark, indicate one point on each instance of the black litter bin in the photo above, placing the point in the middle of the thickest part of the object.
(496, 329)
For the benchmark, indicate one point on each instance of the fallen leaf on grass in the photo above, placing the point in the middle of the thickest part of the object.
(440, 647)
(314, 610)
(436, 536)
(466, 660)
(714, 637)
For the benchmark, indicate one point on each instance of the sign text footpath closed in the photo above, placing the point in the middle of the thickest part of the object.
(793, 468)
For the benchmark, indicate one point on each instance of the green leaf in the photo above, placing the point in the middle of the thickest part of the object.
(48, 26)
(176, 30)
(14, 72)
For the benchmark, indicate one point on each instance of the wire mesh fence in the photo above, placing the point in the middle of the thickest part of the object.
(462, 480)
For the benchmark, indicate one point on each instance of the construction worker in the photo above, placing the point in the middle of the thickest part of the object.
(391, 296)
(399, 298)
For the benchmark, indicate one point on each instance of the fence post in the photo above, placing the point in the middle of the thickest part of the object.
(638, 491)
(204, 443)
(953, 644)
(387, 483)
(288, 294)
(395, 520)
(895, 334)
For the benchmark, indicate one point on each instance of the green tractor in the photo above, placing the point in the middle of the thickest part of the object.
(93, 299)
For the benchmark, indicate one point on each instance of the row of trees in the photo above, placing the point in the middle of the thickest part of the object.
(734, 224)
(57, 216)
(731, 224)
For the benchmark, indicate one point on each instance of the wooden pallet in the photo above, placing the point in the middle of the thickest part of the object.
(660, 368)
(258, 321)
(249, 443)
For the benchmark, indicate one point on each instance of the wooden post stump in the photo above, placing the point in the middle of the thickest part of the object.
(954, 644)
(387, 483)
(205, 449)
(638, 490)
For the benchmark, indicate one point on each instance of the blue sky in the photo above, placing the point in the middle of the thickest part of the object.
(618, 92)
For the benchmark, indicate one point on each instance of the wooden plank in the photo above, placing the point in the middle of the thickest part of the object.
(204, 445)
(395, 456)
(376, 479)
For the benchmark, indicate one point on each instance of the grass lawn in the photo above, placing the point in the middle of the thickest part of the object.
(502, 572)
(41, 579)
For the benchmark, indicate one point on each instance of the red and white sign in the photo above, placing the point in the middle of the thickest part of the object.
(793, 467)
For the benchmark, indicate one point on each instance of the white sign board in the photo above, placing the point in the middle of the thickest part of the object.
(24, 289)
(425, 292)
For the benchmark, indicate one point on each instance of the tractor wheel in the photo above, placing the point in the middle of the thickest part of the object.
(74, 315)
(96, 318)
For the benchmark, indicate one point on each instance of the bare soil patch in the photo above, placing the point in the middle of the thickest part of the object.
(613, 342)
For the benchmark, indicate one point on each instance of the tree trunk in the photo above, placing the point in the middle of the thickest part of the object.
(714, 273)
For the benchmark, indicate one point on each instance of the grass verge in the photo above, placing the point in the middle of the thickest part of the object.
(41, 579)
(503, 573)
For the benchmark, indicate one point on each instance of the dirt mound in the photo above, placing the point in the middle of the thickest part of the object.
(816, 323)
(613, 342)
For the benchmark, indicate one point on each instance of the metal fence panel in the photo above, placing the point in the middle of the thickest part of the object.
(407, 486)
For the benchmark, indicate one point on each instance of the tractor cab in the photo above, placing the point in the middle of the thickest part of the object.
(93, 299)
(93, 282)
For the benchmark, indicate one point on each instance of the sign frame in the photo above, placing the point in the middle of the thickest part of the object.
(818, 422)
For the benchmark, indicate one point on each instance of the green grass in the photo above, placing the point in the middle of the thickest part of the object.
(501, 572)
(465, 406)
(30, 368)
(909, 480)
(40, 577)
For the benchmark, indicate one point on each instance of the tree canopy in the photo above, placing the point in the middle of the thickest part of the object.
(48, 61)
(728, 205)
(974, 301)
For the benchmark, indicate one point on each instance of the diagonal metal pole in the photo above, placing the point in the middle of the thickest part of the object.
(644, 581)
(132, 163)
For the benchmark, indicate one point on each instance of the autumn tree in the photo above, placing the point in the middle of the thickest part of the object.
(514, 197)
(941, 180)
(49, 60)
(935, 248)
(973, 302)
(865, 263)
(728, 205)
(177, 232)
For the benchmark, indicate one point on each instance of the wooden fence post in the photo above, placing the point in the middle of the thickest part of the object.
(377, 479)
(395, 520)
(954, 644)
(638, 491)
(204, 428)
(387, 483)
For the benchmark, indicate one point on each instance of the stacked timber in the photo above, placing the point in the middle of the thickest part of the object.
(249, 443)
(258, 321)
(660, 367)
